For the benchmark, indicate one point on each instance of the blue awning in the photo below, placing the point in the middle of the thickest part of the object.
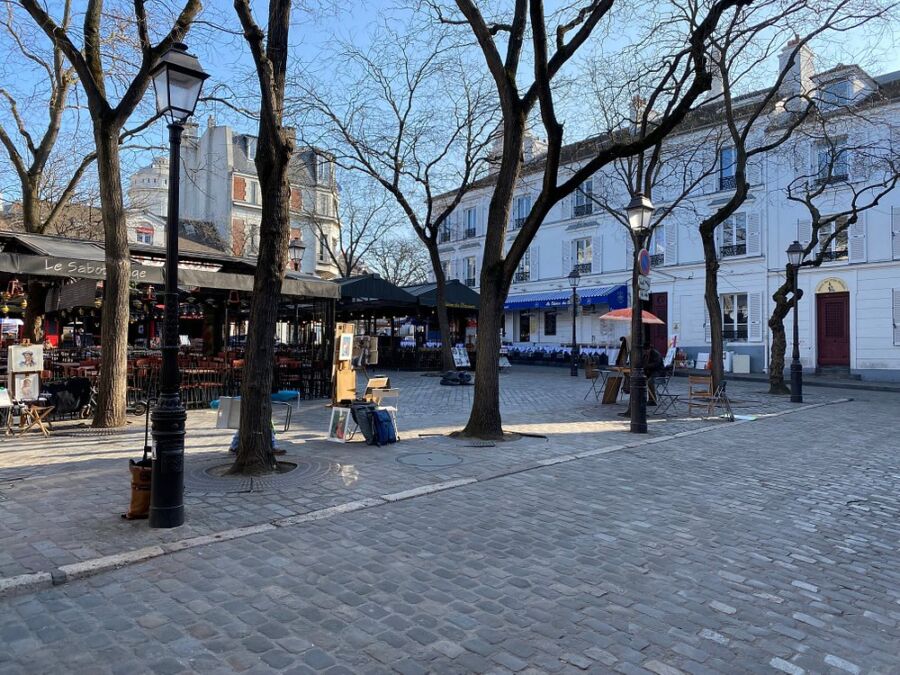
(616, 296)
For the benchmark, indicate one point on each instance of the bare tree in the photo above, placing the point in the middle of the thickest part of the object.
(45, 192)
(680, 76)
(409, 115)
(269, 49)
(367, 217)
(403, 262)
(857, 166)
(100, 85)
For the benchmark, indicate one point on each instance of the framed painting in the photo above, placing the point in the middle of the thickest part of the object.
(26, 358)
(339, 427)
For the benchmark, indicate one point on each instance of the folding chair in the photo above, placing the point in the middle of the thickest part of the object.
(700, 393)
(721, 400)
(665, 400)
(593, 374)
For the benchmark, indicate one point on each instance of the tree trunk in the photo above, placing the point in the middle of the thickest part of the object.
(114, 325)
(779, 339)
(447, 362)
(713, 307)
(255, 453)
(34, 313)
(484, 419)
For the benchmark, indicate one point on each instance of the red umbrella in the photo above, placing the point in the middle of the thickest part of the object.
(625, 315)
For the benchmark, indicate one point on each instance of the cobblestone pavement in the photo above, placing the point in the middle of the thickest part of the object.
(60, 499)
(768, 546)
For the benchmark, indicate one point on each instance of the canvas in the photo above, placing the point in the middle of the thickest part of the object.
(339, 428)
(26, 358)
(26, 386)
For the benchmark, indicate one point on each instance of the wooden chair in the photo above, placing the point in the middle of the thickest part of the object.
(701, 393)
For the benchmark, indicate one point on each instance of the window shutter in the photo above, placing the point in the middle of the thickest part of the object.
(754, 234)
(857, 240)
(812, 169)
(754, 317)
(534, 262)
(671, 249)
(596, 255)
(481, 227)
(804, 233)
(896, 304)
(629, 251)
(707, 329)
(895, 232)
(754, 170)
(566, 257)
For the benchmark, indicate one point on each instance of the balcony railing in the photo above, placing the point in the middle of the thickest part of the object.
(727, 182)
(733, 250)
(585, 209)
(470, 282)
(522, 275)
(735, 333)
(835, 254)
(583, 268)
(517, 223)
(445, 236)
(658, 259)
(469, 233)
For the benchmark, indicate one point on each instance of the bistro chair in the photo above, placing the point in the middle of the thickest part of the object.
(592, 373)
(665, 400)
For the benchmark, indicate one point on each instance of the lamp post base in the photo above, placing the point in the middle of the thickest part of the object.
(796, 381)
(167, 477)
(638, 402)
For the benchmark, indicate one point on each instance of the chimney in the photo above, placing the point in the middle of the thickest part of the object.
(798, 79)
(533, 147)
(210, 121)
(716, 89)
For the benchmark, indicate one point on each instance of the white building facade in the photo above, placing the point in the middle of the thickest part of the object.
(849, 317)
(221, 199)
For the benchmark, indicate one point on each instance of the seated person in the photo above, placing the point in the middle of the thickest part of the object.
(653, 367)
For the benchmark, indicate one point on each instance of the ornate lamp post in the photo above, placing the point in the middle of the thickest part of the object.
(574, 280)
(177, 79)
(295, 255)
(795, 255)
(639, 212)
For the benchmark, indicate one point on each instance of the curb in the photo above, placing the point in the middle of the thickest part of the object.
(34, 581)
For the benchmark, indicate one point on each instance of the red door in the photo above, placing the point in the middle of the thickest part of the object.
(659, 335)
(833, 322)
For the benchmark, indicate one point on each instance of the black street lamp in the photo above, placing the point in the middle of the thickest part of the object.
(795, 255)
(639, 212)
(295, 252)
(177, 79)
(574, 280)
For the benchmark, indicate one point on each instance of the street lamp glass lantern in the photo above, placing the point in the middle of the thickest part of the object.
(639, 212)
(795, 254)
(574, 278)
(295, 251)
(177, 80)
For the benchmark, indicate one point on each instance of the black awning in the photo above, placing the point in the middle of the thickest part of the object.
(456, 293)
(372, 289)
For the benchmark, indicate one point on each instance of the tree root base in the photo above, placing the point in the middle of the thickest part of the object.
(503, 437)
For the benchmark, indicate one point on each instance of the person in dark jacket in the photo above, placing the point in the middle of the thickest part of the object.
(653, 367)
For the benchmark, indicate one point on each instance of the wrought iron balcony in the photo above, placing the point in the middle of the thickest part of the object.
(470, 282)
(583, 268)
(469, 233)
(585, 209)
(733, 250)
(658, 259)
(522, 275)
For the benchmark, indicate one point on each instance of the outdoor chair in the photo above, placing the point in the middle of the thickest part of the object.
(665, 400)
(381, 396)
(592, 373)
(700, 393)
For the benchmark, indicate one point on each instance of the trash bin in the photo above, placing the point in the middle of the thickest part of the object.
(728, 359)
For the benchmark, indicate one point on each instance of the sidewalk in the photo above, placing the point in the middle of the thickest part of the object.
(60, 498)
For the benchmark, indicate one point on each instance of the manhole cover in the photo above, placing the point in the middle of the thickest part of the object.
(210, 476)
(430, 459)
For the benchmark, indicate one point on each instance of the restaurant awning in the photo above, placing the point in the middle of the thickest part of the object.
(616, 296)
(456, 294)
(370, 292)
(58, 257)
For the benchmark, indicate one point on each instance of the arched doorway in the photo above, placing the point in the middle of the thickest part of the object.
(833, 324)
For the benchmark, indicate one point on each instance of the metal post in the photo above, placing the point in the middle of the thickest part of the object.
(168, 419)
(796, 366)
(638, 397)
(574, 369)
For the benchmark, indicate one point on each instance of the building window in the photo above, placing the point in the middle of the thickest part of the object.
(832, 161)
(254, 192)
(837, 93)
(145, 235)
(727, 160)
(582, 257)
(658, 247)
(734, 236)
(734, 317)
(839, 248)
(523, 271)
(323, 248)
(550, 323)
(446, 265)
(521, 209)
(584, 204)
(323, 170)
(470, 271)
(444, 234)
(323, 205)
(471, 219)
(524, 327)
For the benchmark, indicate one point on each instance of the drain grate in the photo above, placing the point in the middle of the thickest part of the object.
(430, 460)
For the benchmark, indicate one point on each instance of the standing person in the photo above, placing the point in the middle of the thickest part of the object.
(653, 368)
